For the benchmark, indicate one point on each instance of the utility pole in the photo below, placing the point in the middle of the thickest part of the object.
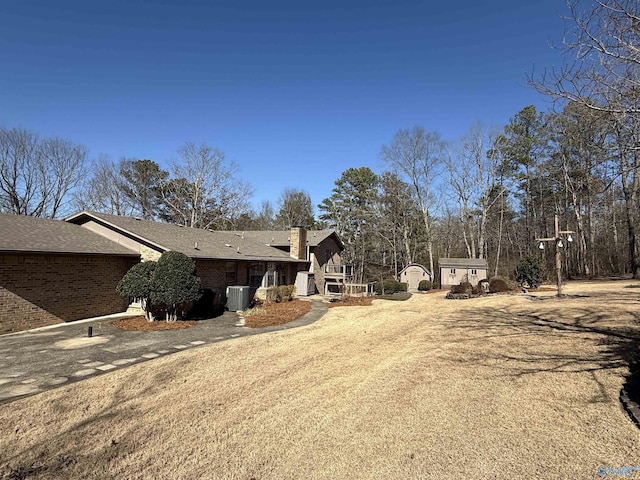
(558, 240)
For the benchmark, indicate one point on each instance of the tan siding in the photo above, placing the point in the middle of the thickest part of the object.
(112, 235)
(148, 254)
(447, 279)
(319, 260)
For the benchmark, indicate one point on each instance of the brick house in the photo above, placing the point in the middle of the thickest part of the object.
(53, 271)
(222, 258)
(321, 248)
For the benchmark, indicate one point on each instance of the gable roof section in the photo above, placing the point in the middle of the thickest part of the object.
(463, 262)
(165, 236)
(415, 265)
(21, 233)
(281, 238)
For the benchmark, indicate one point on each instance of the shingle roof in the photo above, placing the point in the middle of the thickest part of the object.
(165, 236)
(280, 238)
(20, 233)
(463, 262)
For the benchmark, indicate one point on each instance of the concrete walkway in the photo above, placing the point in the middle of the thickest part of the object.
(38, 360)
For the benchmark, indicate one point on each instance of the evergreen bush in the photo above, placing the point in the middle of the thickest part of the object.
(389, 285)
(424, 285)
(530, 272)
(136, 284)
(498, 284)
(174, 283)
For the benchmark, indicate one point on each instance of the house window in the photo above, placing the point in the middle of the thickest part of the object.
(474, 271)
(256, 273)
(271, 279)
(231, 273)
(453, 271)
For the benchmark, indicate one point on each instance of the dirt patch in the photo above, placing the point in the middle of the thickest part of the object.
(141, 324)
(278, 314)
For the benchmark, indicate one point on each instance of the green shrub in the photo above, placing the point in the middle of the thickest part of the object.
(530, 271)
(136, 284)
(424, 285)
(498, 284)
(403, 287)
(390, 286)
(174, 283)
(398, 296)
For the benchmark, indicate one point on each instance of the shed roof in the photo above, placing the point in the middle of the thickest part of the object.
(194, 242)
(413, 265)
(463, 262)
(21, 233)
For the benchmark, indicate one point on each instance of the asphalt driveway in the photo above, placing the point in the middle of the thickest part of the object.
(39, 360)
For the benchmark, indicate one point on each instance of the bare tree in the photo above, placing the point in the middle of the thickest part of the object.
(204, 192)
(102, 191)
(265, 218)
(474, 175)
(419, 157)
(603, 39)
(36, 176)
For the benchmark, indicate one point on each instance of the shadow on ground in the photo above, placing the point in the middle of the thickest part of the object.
(616, 338)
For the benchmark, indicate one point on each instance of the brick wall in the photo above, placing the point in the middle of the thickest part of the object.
(39, 290)
(213, 273)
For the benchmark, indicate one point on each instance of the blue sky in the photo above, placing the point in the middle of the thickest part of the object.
(293, 93)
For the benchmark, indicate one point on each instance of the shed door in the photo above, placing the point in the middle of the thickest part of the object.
(414, 279)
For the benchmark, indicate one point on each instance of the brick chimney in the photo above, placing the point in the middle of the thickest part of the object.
(298, 243)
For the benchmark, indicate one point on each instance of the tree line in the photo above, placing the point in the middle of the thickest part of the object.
(52, 177)
(488, 195)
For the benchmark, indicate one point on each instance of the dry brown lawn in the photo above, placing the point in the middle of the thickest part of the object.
(507, 387)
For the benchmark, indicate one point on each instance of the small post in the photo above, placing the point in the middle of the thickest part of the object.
(90, 332)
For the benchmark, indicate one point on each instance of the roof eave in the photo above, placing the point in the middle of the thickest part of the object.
(118, 228)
